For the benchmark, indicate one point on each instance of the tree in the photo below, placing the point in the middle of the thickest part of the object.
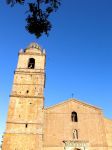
(38, 15)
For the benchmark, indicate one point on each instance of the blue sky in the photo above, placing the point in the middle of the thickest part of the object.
(79, 53)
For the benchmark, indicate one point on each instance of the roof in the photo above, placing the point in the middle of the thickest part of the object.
(33, 45)
(74, 100)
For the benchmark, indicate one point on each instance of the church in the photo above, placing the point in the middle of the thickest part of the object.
(69, 125)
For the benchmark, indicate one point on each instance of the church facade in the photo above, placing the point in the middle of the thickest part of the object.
(70, 125)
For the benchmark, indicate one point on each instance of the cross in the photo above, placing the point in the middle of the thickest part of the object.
(72, 95)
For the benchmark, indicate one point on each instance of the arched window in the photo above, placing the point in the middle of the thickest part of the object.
(74, 117)
(75, 134)
(31, 63)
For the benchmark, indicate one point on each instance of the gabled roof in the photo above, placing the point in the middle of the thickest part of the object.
(74, 100)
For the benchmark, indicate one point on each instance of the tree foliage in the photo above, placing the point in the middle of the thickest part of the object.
(38, 15)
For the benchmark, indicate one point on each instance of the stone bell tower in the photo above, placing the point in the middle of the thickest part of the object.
(24, 127)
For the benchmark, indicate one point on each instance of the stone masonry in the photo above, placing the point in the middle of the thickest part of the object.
(70, 125)
(25, 116)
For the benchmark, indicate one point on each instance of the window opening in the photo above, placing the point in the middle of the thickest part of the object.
(27, 91)
(26, 125)
(75, 134)
(31, 63)
(74, 117)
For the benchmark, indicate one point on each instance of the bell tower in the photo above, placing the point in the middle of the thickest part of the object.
(24, 127)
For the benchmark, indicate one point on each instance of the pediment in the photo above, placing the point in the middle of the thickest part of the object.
(72, 104)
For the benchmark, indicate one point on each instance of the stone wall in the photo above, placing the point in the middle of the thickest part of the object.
(59, 127)
(24, 127)
(108, 128)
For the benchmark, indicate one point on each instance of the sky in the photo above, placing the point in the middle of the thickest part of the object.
(78, 48)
